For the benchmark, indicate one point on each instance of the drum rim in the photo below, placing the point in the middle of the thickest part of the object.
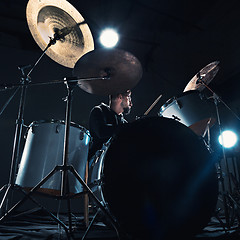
(171, 100)
(73, 124)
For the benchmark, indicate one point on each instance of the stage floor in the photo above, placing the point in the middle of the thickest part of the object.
(35, 224)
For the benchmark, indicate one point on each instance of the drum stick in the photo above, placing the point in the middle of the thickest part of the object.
(154, 103)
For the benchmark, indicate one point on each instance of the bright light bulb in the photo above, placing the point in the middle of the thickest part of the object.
(227, 139)
(109, 38)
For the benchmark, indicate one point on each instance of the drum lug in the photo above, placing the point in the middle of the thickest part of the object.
(178, 104)
(81, 135)
(58, 128)
(201, 96)
(176, 118)
(98, 182)
(96, 158)
(33, 129)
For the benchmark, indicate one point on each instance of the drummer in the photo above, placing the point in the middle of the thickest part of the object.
(105, 120)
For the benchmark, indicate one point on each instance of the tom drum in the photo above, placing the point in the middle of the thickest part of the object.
(191, 109)
(43, 151)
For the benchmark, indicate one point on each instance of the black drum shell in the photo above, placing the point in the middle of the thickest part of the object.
(159, 180)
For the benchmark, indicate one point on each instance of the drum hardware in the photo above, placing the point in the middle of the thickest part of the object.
(121, 69)
(176, 118)
(57, 130)
(56, 169)
(95, 160)
(191, 109)
(206, 137)
(66, 28)
(205, 75)
(64, 169)
(66, 38)
(91, 224)
(69, 81)
(7, 198)
(39, 18)
(96, 182)
(24, 83)
(178, 104)
(228, 197)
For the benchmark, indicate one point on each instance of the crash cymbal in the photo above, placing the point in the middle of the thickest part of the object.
(205, 75)
(123, 69)
(46, 18)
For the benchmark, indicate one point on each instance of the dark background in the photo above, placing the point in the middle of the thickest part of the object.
(173, 39)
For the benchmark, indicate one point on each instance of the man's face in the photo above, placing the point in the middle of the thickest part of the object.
(126, 103)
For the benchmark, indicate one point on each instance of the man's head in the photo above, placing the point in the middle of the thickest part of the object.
(121, 102)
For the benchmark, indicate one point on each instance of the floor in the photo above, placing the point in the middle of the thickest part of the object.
(36, 224)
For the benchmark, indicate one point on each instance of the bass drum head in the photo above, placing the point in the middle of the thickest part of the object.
(159, 180)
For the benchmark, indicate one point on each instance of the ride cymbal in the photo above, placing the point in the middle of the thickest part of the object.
(205, 75)
(122, 69)
(60, 21)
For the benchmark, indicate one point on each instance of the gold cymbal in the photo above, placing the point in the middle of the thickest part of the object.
(46, 18)
(123, 69)
(205, 75)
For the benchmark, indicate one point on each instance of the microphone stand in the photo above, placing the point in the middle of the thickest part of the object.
(226, 194)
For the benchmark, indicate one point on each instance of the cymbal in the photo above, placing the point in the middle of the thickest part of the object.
(205, 75)
(123, 69)
(46, 18)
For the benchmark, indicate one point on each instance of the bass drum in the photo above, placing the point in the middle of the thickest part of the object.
(158, 180)
(43, 151)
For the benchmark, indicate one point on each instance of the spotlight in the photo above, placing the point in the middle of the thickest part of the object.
(109, 38)
(228, 139)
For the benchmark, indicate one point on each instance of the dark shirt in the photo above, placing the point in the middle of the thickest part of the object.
(103, 124)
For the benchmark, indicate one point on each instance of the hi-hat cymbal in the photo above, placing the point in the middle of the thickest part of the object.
(205, 76)
(123, 69)
(46, 18)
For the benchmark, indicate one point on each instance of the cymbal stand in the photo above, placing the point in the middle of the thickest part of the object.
(17, 139)
(226, 195)
(206, 137)
(25, 79)
(65, 168)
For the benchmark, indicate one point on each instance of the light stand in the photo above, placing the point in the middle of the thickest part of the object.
(227, 196)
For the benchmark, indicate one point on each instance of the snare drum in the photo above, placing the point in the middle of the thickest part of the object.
(96, 171)
(43, 151)
(156, 175)
(191, 109)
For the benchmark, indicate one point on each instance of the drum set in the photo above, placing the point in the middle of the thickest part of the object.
(155, 184)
